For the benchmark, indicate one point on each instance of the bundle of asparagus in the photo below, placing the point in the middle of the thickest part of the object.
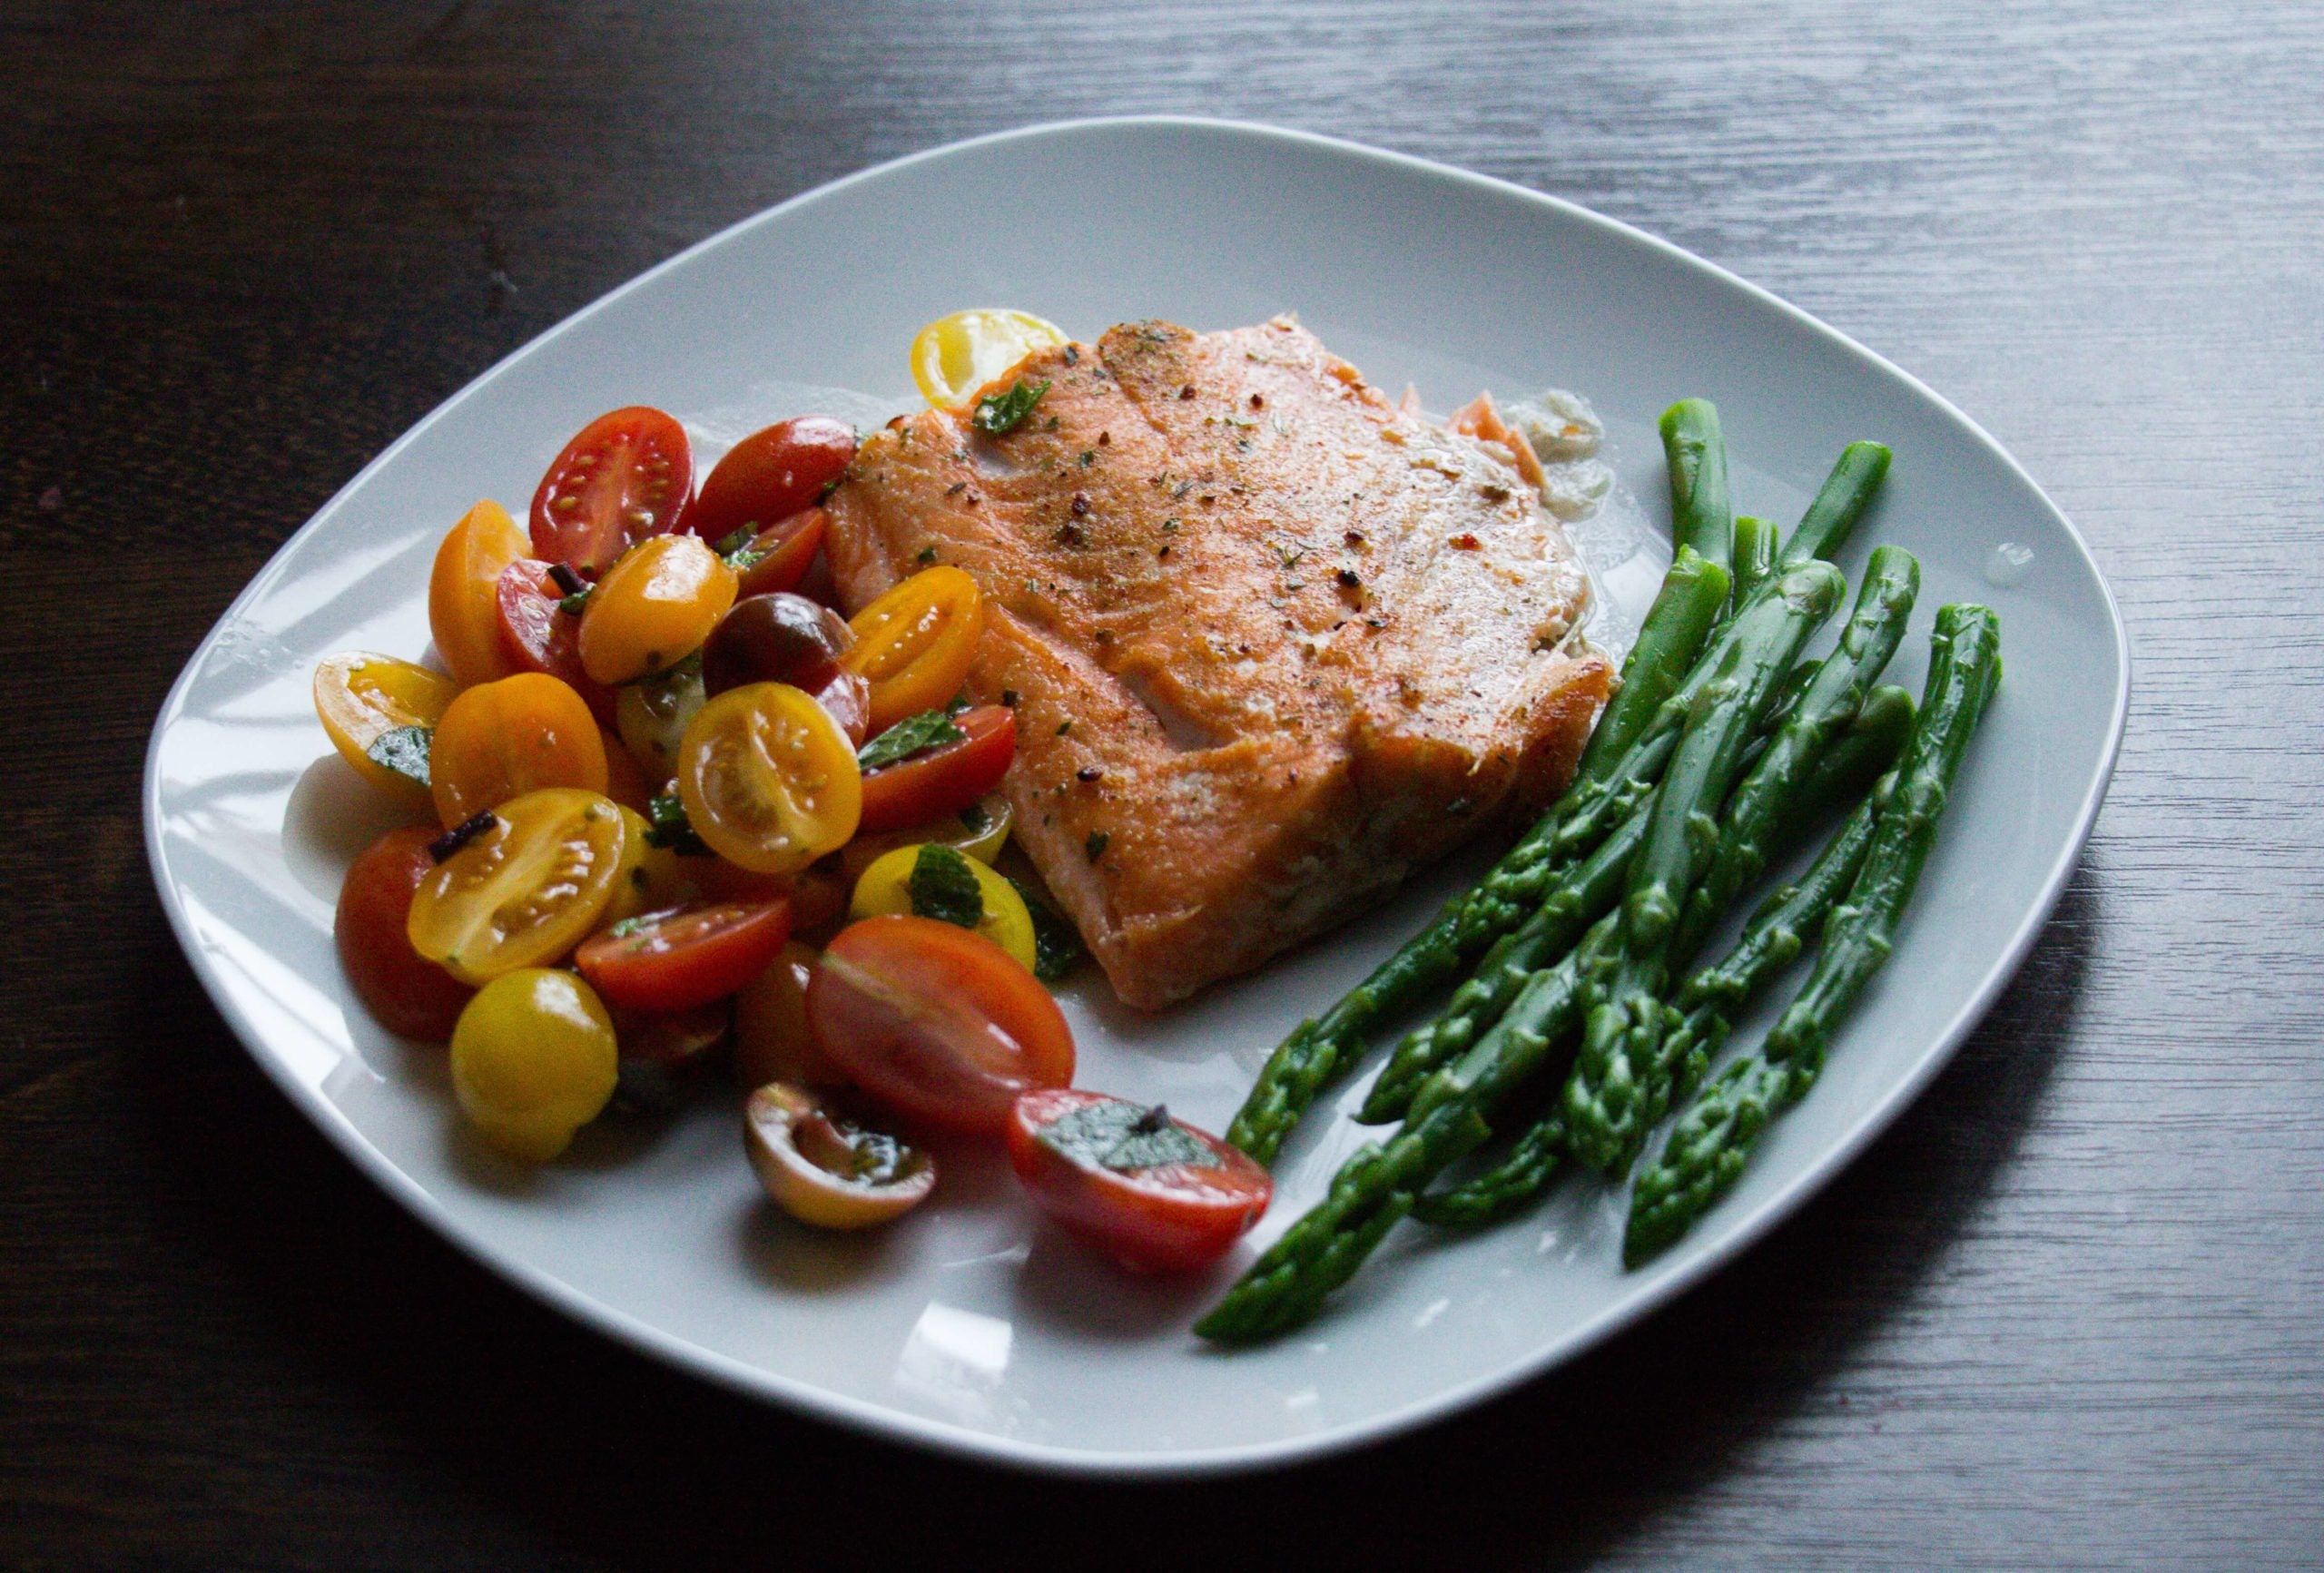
(1720, 752)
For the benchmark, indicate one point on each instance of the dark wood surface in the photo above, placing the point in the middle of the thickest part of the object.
(2069, 1311)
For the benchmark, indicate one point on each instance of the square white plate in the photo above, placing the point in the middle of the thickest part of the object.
(969, 1327)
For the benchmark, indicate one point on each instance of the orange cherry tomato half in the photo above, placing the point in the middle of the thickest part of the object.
(770, 475)
(501, 740)
(686, 956)
(916, 642)
(627, 476)
(363, 699)
(946, 779)
(769, 779)
(406, 994)
(653, 608)
(936, 1022)
(538, 636)
(463, 593)
(778, 556)
(1154, 1194)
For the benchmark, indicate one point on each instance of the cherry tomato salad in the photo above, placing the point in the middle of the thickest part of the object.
(680, 814)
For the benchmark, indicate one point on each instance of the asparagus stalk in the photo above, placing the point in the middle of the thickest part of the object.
(1378, 1185)
(1847, 492)
(1771, 940)
(1607, 784)
(1755, 554)
(1608, 1096)
(1714, 1138)
(1829, 704)
(1669, 639)
(1583, 894)
(1965, 669)
(1701, 515)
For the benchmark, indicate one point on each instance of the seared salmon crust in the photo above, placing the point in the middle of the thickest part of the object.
(1273, 642)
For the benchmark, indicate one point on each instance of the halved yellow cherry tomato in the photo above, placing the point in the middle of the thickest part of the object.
(363, 698)
(916, 642)
(979, 831)
(653, 608)
(654, 714)
(768, 778)
(954, 356)
(524, 891)
(885, 888)
(464, 592)
(501, 740)
(532, 1061)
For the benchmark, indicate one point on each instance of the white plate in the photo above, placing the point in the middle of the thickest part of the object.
(969, 1327)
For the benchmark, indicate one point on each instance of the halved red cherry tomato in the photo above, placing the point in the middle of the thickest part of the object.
(946, 779)
(685, 957)
(537, 636)
(666, 1053)
(936, 1022)
(778, 556)
(1155, 1194)
(770, 475)
(627, 476)
(409, 995)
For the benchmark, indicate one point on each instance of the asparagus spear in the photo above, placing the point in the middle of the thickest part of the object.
(1608, 784)
(1829, 704)
(1377, 1186)
(1697, 451)
(1505, 1189)
(1771, 940)
(1847, 492)
(1608, 1096)
(1669, 639)
(1964, 668)
(1755, 554)
(1713, 1139)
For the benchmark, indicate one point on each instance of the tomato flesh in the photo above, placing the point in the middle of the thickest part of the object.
(781, 553)
(537, 636)
(626, 476)
(1166, 1217)
(946, 779)
(916, 642)
(406, 994)
(772, 474)
(685, 957)
(936, 1022)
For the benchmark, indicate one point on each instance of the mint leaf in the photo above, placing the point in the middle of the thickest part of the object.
(403, 750)
(914, 734)
(666, 825)
(999, 414)
(1057, 944)
(943, 887)
(1122, 1136)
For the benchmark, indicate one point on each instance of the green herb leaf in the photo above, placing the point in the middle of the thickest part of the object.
(943, 887)
(914, 734)
(1056, 943)
(999, 414)
(1113, 1134)
(926, 555)
(1096, 845)
(576, 604)
(974, 818)
(666, 825)
(403, 750)
(735, 539)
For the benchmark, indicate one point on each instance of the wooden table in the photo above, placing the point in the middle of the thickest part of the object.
(2069, 1311)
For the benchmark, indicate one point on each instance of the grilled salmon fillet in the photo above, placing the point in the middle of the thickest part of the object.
(1273, 642)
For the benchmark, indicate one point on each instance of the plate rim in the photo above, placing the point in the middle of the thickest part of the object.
(1652, 1290)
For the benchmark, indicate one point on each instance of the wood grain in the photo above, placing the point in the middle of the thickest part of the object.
(2066, 1313)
